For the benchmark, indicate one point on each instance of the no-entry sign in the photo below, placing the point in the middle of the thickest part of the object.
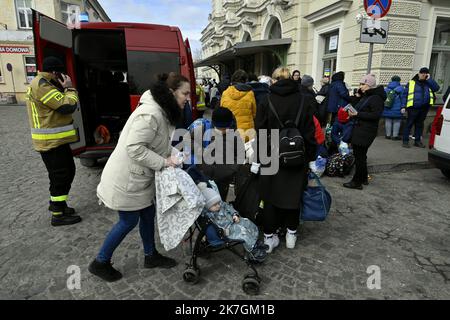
(377, 8)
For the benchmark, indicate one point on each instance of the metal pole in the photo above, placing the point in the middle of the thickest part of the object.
(369, 64)
(14, 85)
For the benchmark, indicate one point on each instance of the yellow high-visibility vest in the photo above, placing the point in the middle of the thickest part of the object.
(411, 88)
(201, 98)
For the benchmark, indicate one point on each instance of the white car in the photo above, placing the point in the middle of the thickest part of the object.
(439, 153)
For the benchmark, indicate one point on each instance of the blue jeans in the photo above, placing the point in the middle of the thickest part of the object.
(392, 126)
(127, 221)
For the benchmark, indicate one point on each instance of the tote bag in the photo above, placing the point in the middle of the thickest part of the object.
(316, 202)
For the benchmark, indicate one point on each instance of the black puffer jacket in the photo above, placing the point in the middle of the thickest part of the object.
(369, 108)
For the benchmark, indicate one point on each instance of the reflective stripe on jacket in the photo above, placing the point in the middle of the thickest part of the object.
(49, 113)
(411, 92)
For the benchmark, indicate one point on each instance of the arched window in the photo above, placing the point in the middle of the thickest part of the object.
(275, 29)
(247, 37)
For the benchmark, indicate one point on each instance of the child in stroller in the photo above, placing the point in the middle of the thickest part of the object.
(220, 227)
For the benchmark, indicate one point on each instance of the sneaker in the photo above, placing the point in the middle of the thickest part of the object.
(291, 239)
(104, 270)
(419, 145)
(396, 138)
(272, 241)
(388, 137)
(64, 219)
(156, 260)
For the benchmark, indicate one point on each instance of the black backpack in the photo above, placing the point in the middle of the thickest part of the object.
(291, 146)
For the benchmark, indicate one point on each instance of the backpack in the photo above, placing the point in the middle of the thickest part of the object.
(390, 99)
(291, 145)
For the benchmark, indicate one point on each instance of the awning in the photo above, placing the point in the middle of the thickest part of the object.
(243, 49)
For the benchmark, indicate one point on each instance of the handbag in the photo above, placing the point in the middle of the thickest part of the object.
(316, 202)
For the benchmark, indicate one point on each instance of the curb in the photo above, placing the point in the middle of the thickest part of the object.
(396, 167)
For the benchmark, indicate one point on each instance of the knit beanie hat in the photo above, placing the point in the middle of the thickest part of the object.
(222, 118)
(211, 196)
(51, 64)
(396, 79)
(370, 80)
(307, 81)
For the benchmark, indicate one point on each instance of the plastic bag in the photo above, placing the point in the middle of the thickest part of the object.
(318, 166)
(343, 148)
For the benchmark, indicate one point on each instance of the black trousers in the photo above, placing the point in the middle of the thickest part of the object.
(274, 217)
(360, 154)
(416, 118)
(61, 171)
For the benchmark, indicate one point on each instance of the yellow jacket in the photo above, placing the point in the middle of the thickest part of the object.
(50, 113)
(242, 104)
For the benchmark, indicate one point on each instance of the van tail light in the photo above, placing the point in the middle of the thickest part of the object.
(436, 127)
(439, 123)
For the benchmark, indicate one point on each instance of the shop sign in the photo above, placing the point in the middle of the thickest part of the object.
(14, 49)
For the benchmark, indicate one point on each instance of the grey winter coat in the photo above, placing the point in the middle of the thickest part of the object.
(128, 179)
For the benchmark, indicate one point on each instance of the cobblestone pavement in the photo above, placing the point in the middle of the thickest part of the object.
(400, 223)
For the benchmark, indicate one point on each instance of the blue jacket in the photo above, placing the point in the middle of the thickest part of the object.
(421, 92)
(395, 110)
(337, 93)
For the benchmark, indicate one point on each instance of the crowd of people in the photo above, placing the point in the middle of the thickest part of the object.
(330, 121)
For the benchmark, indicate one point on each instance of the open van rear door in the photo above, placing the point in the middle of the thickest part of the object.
(52, 38)
(190, 65)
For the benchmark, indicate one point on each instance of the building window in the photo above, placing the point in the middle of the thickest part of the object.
(30, 68)
(24, 15)
(440, 56)
(70, 13)
(275, 30)
(330, 53)
(247, 37)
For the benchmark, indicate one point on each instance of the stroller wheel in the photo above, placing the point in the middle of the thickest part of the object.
(190, 275)
(250, 285)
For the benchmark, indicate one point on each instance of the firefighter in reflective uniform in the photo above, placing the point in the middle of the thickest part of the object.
(51, 100)
(201, 105)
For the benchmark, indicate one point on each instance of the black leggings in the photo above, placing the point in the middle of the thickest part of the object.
(274, 218)
(360, 164)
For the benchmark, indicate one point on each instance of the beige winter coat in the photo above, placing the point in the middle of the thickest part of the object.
(128, 179)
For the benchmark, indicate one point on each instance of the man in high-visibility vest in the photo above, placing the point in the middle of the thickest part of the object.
(201, 105)
(51, 100)
(417, 99)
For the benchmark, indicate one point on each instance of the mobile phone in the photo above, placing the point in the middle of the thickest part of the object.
(60, 76)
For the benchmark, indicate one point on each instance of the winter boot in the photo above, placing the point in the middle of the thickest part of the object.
(61, 206)
(63, 219)
(156, 260)
(104, 270)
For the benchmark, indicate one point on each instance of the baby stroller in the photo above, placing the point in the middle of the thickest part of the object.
(210, 239)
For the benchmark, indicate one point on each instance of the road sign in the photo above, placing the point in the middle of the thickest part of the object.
(9, 67)
(377, 8)
(374, 31)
